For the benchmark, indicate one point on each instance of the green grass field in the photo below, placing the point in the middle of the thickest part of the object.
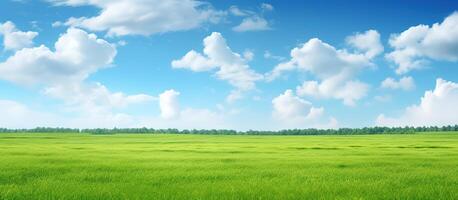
(80, 166)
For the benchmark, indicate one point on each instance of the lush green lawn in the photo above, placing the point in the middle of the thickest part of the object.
(70, 166)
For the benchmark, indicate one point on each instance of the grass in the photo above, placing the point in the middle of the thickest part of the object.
(80, 166)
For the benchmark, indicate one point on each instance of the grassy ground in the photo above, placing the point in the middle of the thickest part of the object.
(71, 166)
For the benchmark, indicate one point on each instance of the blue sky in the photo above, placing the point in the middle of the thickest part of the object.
(228, 64)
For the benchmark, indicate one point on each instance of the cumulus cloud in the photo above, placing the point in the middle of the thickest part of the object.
(335, 68)
(404, 83)
(169, 105)
(13, 39)
(295, 112)
(229, 66)
(62, 74)
(437, 107)
(77, 54)
(414, 47)
(191, 118)
(367, 42)
(194, 61)
(144, 17)
(335, 87)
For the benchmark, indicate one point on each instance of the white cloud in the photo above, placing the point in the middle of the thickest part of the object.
(194, 61)
(383, 98)
(190, 118)
(437, 108)
(287, 106)
(295, 112)
(93, 97)
(335, 68)
(404, 83)
(121, 43)
(77, 54)
(348, 91)
(17, 115)
(62, 74)
(169, 105)
(234, 95)
(253, 23)
(23, 116)
(236, 11)
(267, 7)
(248, 55)
(231, 67)
(367, 42)
(322, 60)
(14, 39)
(143, 17)
(414, 47)
(268, 55)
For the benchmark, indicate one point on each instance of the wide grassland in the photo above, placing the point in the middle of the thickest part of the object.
(124, 166)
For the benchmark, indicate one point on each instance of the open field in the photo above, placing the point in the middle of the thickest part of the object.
(82, 166)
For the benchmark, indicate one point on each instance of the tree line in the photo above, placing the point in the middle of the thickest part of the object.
(309, 131)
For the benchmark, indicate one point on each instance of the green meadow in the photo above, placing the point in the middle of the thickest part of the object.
(165, 166)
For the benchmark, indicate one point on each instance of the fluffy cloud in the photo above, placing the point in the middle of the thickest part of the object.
(287, 106)
(14, 39)
(254, 23)
(335, 68)
(194, 61)
(77, 54)
(143, 17)
(62, 74)
(169, 105)
(294, 111)
(404, 83)
(323, 60)
(348, 91)
(230, 66)
(415, 46)
(437, 107)
(191, 118)
(368, 42)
